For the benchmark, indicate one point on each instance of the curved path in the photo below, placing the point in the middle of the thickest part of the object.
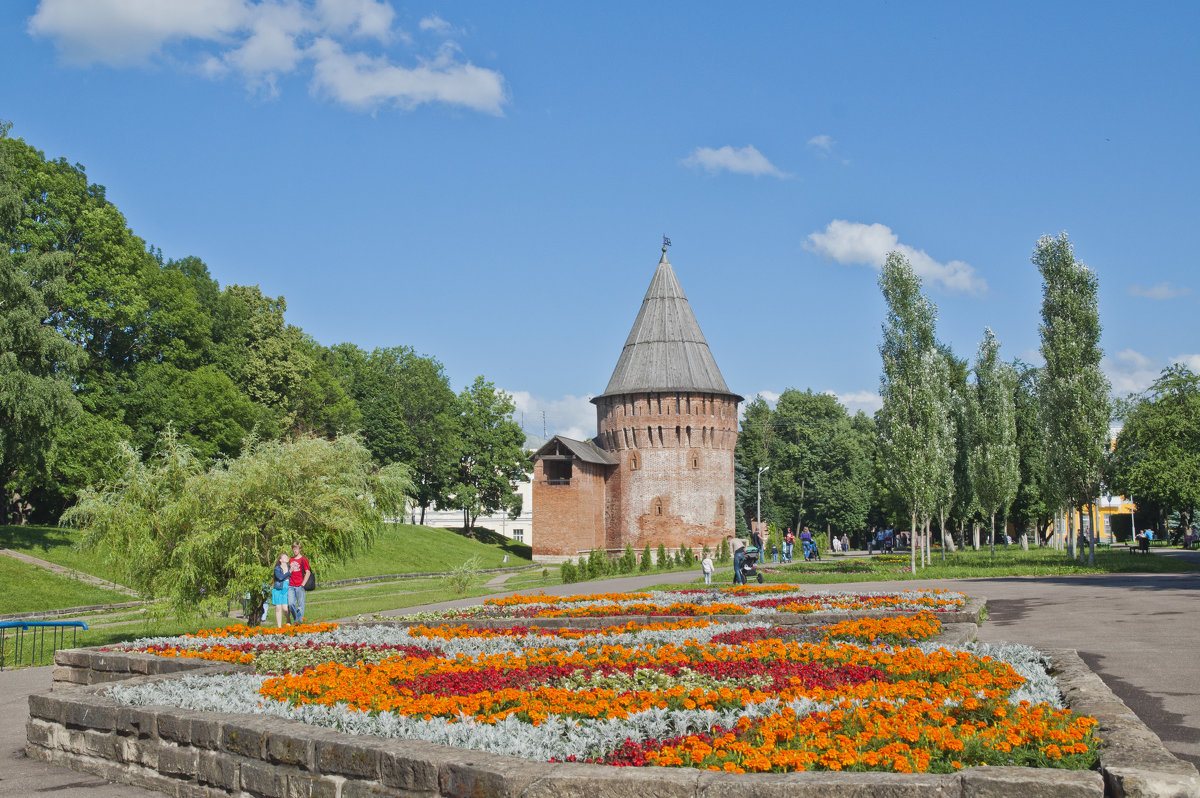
(1135, 630)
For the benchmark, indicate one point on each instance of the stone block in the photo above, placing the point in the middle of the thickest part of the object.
(175, 727)
(476, 773)
(267, 781)
(63, 674)
(412, 765)
(73, 657)
(218, 769)
(823, 784)
(290, 744)
(577, 781)
(304, 785)
(206, 731)
(354, 788)
(345, 755)
(40, 733)
(137, 721)
(90, 712)
(245, 736)
(178, 761)
(46, 707)
(1004, 782)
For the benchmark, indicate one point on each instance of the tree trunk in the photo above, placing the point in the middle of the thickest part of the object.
(912, 550)
(942, 526)
(1092, 535)
(992, 538)
(975, 534)
(422, 515)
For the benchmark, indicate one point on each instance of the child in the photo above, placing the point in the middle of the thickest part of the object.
(706, 565)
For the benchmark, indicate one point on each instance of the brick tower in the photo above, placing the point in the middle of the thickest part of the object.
(660, 469)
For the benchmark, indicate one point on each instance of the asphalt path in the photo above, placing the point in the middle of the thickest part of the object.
(1135, 630)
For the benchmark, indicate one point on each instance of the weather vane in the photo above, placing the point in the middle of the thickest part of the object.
(666, 243)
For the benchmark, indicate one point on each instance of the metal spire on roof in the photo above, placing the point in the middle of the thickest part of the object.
(665, 350)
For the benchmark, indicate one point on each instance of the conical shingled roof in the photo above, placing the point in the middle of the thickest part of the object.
(665, 350)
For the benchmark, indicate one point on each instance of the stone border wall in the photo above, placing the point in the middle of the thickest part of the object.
(188, 753)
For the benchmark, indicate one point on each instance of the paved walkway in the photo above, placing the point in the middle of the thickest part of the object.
(1135, 630)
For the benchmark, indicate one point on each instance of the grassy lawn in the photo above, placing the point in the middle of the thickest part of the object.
(55, 545)
(409, 549)
(27, 588)
(969, 565)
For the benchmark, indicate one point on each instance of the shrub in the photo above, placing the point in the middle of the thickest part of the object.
(664, 559)
(723, 552)
(461, 578)
(568, 572)
(597, 564)
(686, 558)
(646, 563)
(628, 561)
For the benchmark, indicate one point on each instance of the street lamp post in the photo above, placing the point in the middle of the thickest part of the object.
(758, 508)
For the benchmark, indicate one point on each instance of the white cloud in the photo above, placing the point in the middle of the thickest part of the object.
(823, 142)
(360, 81)
(1129, 371)
(570, 416)
(1159, 291)
(869, 244)
(746, 161)
(1191, 361)
(264, 41)
(123, 32)
(853, 401)
(435, 24)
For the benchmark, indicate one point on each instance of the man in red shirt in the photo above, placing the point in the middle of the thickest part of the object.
(300, 570)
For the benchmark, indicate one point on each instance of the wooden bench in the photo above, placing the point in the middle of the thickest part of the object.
(1142, 546)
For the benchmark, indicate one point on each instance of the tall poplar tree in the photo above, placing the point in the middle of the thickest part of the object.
(907, 385)
(993, 463)
(1073, 390)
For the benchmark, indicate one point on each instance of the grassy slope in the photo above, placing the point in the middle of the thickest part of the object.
(409, 549)
(399, 549)
(27, 588)
(55, 545)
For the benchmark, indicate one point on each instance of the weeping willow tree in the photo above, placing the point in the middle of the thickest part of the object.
(191, 539)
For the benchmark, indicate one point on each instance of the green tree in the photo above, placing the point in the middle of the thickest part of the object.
(911, 366)
(198, 538)
(752, 452)
(37, 363)
(994, 462)
(1073, 390)
(1157, 454)
(1030, 508)
(409, 414)
(492, 458)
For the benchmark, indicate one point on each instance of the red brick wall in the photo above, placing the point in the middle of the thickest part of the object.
(569, 519)
(665, 499)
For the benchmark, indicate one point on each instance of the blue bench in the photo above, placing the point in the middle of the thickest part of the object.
(36, 632)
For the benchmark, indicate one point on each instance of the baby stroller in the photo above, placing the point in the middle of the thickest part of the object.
(811, 550)
(749, 563)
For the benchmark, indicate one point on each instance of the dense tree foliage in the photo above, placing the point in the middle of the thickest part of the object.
(993, 462)
(1156, 458)
(1073, 391)
(198, 537)
(492, 458)
(102, 340)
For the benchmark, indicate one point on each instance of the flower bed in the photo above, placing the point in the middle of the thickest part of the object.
(860, 694)
(737, 600)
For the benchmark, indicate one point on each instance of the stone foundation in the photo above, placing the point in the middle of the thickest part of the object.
(187, 753)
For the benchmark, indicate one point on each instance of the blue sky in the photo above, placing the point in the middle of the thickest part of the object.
(489, 182)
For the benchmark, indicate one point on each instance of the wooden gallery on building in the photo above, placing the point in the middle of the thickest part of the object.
(660, 469)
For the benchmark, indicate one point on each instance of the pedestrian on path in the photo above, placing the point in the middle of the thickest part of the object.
(279, 590)
(300, 569)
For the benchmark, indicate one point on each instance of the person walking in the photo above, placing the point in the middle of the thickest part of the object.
(789, 543)
(300, 569)
(739, 558)
(706, 565)
(845, 543)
